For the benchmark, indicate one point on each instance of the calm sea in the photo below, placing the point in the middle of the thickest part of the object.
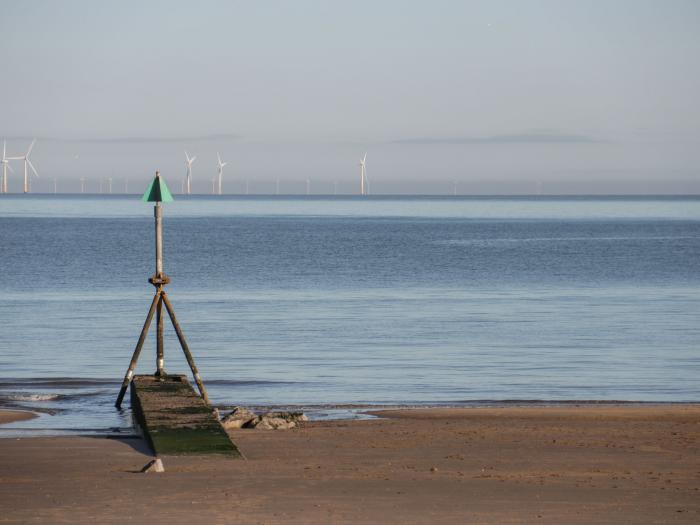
(334, 302)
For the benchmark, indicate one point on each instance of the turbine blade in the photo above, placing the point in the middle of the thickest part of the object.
(30, 148)
(187, 157)
(218, 157)
(364, 158)
(10, 168)
(32, 166)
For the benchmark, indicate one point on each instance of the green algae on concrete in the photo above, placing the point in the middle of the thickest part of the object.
(175, 420)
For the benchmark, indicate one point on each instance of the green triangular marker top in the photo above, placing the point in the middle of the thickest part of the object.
(157, 191)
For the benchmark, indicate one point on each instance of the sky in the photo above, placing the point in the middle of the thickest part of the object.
(499, 97)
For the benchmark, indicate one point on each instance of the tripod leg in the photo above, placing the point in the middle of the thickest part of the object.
(137, 351)
(185, 349)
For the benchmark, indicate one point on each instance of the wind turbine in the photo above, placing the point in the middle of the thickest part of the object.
(5, 166)
(27, 162)
(364, 184)
(188, 177)
(220, 169)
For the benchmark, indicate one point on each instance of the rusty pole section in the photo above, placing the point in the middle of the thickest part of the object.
(160, 353)
(158, 214)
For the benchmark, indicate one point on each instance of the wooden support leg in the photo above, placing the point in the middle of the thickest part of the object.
(137, 351)
(185, 348)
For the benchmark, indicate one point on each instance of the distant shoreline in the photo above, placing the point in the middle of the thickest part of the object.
(388, 196)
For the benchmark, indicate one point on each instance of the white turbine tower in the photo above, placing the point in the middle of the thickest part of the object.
(364, 184)
(5, 166)
(28, 163)
(220, 170)
(188, 177)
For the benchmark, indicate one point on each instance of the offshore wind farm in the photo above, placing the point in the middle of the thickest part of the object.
(86, 167)
(104, 185)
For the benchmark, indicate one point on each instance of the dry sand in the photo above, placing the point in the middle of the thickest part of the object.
(572, 465)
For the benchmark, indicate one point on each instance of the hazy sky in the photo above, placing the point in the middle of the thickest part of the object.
(502, 96)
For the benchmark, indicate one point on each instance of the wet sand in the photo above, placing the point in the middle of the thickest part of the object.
(587, 465)
(9, 416)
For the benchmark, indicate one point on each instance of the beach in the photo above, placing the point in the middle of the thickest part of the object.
(561, 464)
(344, 263)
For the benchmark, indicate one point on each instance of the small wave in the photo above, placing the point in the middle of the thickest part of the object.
(246, 382)
(31, 397)
(56, 382)
(19, 398)
(507, 240)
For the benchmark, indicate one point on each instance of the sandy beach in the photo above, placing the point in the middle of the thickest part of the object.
(591, 464)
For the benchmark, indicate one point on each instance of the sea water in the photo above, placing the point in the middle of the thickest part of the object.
(334, 303)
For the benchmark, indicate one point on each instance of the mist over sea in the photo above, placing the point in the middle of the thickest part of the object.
(330, 302)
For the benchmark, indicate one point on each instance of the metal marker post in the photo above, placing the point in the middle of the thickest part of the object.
(160, 354)
(158, 192)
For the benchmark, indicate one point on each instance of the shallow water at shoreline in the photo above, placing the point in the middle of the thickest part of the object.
(95, 415)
